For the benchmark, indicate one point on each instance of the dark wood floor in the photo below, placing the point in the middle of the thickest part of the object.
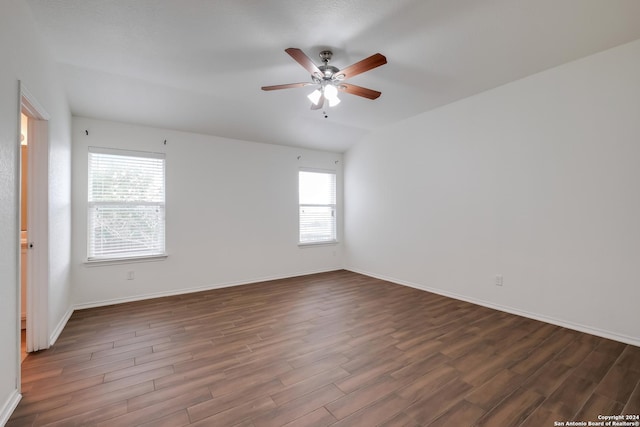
(336, 349)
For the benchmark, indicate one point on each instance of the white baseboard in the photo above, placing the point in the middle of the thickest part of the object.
(114, 301)
(60, 326)
(554, 321)
(9, 406)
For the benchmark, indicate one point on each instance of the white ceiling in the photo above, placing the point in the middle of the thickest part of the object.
(198, 65)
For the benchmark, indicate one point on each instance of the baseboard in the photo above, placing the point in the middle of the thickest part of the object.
(114, 301)
(551, 320)
(9, 406)
(60, 326)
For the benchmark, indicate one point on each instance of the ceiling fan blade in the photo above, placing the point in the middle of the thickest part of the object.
(359, 91)
(360, 67)
(304, 60)
(287, 86)
(319, 104)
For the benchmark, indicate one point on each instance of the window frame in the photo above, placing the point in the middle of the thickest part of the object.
(127, 257)
(333, 206)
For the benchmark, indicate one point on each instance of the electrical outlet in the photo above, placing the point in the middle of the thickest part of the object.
(499, 279)
(131, 275)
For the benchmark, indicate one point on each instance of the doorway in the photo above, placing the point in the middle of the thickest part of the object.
(24, 228)
(33, 217)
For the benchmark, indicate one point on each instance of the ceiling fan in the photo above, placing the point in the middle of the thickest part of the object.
(329, 80)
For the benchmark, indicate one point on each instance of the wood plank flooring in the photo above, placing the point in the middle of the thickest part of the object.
(337, 349)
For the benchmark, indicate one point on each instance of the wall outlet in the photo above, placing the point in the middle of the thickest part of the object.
(498, 279)
(131, 275)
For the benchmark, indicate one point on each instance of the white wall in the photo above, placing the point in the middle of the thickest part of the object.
(231, 214)
(537, 180)
(24, 57)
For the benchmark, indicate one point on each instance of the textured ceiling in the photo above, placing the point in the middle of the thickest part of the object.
(198, 65)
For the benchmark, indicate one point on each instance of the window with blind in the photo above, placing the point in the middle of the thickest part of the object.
(317, 213)
(126, 204)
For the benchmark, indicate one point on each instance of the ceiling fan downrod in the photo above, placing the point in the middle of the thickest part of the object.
(327, 72)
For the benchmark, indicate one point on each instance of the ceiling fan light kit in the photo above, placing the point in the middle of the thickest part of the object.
(329, 79)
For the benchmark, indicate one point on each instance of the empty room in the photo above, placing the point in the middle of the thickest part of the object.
(341, 213)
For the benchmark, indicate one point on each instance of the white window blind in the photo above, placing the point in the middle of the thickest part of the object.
(126, 204)
(317, 199)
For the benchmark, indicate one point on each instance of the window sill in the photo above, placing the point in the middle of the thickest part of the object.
(131, 260)
(313, 244)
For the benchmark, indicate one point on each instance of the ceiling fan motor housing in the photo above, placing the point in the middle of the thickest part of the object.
(327, 72)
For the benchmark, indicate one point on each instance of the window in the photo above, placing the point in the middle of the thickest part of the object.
(317, 198)
(126, 204)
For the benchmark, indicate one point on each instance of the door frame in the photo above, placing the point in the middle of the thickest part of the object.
(37, 304)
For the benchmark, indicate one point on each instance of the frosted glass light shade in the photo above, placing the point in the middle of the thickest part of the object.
(330, 92)
(333, 101)
(315, 96)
